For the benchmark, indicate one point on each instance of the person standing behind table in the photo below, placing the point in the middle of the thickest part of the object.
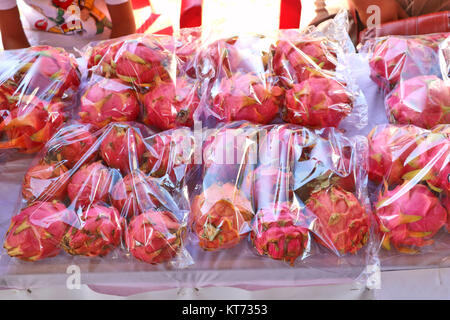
(63, 23)
(393, 10)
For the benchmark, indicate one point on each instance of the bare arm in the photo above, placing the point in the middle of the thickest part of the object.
(13, 36)
(122, 19)
(390, 10)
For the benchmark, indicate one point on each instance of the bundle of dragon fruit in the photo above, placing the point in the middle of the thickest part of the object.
(38, 87)
(305, 188)
(408, 69)
(222, 209)
(237, 80)
(93, 190)
(306, 66)
(412, 167)
(144, 78)
(285, 186)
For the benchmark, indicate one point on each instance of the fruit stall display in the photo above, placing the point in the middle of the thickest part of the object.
(38, 90)
(411, 168)
(277, 178)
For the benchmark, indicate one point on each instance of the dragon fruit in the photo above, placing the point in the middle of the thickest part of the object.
(246, 97)
(401, 58)
(143, 62)
(90, 184)
(31, 123)
(171, 105)
(423, 101)
(317, 103)
(45, 182)
(409, 219)
(74, 145)
(389, 148)
(341, 223)
(430, 162)
(137, 193)
(169, 155)
(221, 217)
(154, 236)
(96, 233)
(155, 160)
(295, 60)
(7, 103)
(102, 58)
(35, 233)
(48, 72)
(108, 100)
(280, 232)
(239, 54)
(122, 148)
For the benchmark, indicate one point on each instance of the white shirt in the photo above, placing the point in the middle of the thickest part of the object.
(64, 23)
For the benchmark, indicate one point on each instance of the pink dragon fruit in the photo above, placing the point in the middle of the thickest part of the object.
(72, 145)
(137, 193)
(45, 182)
(389, 148)
(239, 54)
(31, 123)
(280, 232)
(122, 147)
(401, 58)
(317, 103)
(108, 100)
(154, 236)
(90, 184)
(169, 154)
(246, 97)
(423, 101)
(96, 233)
(49, 72)
(102, 58)
(35, 233)
(221, 216)
(171, 105)
(295, 60)
(430, 161)
(409, 219)
(143, 62)
(341, 224)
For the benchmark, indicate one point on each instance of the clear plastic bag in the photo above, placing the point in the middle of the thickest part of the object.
(92, 192)
(146, 78)
(298, 77)
(38, 89)
(410, 167)
(408, 69)
(309, 192)
(298, 195)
